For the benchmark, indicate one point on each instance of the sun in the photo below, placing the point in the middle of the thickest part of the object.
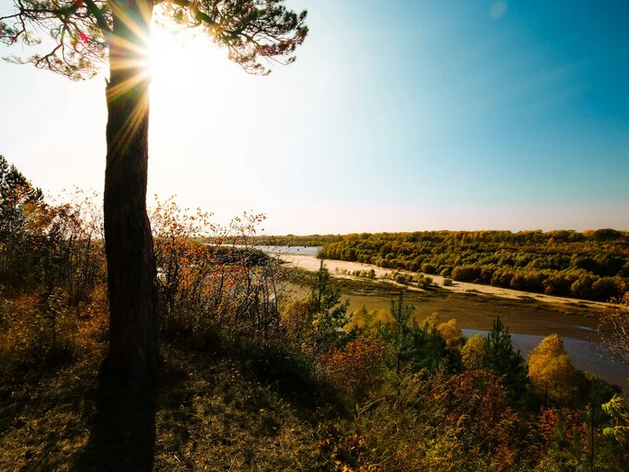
(176, 58)
(202, 109)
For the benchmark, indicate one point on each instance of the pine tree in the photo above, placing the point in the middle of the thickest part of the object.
(85, 34)
(503, 361)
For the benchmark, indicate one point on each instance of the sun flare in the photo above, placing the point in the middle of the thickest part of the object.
(194, 86)
(175, 56)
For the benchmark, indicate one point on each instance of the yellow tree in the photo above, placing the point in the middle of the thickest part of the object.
(473, 352)
(550, 369)
(86, 33)
(451, 334)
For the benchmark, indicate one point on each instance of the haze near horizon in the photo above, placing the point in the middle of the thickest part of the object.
(398, 116)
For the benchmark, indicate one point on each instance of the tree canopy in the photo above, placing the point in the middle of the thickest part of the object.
(16, 196)
(550, 369)
(255, 33)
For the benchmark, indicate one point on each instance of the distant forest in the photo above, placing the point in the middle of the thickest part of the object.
(591, 265)
(293, 240)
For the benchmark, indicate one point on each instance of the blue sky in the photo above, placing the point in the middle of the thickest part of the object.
(397, 116)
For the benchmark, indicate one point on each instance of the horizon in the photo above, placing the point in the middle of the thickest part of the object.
(437, 231)
(397, 118)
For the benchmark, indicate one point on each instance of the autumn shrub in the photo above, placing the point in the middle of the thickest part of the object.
(443, 423)
(466, 273)
(475, 405)
(518, 282)
(606, 288)
(37, 328)
(424, 281)
(60, 247)
(502, 278)
(358, 367)
(206, 285)
(362, 319)
(582, 287)
(451, 334)
(564, 441)
(296, 320)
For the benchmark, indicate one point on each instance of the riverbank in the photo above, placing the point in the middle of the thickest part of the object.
(343, 268)
(529, 317)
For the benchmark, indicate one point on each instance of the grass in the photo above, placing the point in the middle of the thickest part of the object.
(44, 416)
(213, 412)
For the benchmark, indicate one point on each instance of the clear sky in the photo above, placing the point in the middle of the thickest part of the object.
(398, 115)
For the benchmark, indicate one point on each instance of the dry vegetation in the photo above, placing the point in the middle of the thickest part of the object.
(255, 379)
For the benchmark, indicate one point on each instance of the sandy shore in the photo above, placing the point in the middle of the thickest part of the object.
(342, 268)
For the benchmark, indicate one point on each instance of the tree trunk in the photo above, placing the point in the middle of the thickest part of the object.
(133, 351)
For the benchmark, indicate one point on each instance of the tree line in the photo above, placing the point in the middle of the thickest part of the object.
(591, 265)
(311, 240)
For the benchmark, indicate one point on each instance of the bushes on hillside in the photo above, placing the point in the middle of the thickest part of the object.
(420, 396)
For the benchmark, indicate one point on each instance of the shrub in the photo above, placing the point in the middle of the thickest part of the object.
(357, 368)
(424, 281)
(466, 273)
(451, 334)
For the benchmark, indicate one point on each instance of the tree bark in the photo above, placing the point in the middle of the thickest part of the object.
(133, 350)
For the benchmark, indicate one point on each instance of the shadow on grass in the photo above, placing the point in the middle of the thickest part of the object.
(294, 377)
(122, 435)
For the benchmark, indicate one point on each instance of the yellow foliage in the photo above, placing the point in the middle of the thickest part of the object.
(472, 352)
(550, 369)
(451, 333)
(296, 318)
(362, 318)
(433, 320)
(384, 318)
